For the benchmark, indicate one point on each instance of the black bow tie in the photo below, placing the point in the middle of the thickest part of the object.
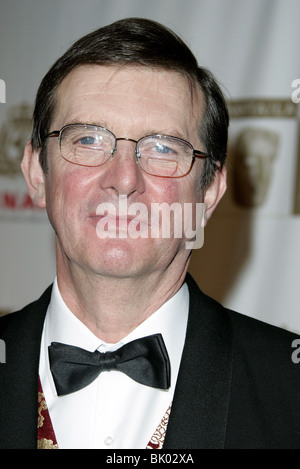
(144, 360)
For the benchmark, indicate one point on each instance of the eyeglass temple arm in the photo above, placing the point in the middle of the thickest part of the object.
(55, 133)
(202, 155)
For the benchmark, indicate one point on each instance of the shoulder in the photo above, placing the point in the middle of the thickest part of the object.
(246, 332)
(32, 313)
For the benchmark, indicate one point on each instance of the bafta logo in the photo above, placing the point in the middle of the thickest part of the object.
(255, 154)
(13, 135)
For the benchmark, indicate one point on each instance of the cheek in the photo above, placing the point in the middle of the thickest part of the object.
(166, 190)
(63, 190)
(185, 190)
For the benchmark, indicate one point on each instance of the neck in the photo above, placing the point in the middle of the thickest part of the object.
(112, 307)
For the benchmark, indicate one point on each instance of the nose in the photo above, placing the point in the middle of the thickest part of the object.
(122, 174)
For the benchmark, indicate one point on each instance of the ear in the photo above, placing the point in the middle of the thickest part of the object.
(215, 192)
(34, 175)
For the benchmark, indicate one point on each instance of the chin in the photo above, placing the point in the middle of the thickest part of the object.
(118, 258)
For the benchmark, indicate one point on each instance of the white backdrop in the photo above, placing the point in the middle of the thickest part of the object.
(250, 258)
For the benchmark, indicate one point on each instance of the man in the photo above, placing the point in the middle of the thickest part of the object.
(124, 120)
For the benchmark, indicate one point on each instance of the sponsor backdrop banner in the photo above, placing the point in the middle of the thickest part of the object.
(251, 252)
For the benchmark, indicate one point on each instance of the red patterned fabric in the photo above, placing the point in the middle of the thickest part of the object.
(158, 437)
(46, 436)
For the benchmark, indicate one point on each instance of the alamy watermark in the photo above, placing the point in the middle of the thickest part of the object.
(2, 351)
(296, 353)
(296, 92)
(161, 220)
(2, 91)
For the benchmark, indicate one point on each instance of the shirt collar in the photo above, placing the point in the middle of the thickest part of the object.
(170, 320)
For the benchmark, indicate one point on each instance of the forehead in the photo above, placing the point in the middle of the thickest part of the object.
(132, 95)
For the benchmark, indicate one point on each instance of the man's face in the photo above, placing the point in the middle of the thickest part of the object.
(131, 102)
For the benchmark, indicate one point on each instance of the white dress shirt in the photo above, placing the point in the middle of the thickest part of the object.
(114, 411)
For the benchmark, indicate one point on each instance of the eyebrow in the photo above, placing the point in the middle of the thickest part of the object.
(170, 132)
(84, 122)
(103, 124)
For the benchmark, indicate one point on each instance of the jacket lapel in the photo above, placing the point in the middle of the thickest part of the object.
(19, 375)
(199, 411)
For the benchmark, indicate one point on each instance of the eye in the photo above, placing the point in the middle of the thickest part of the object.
(89, 140)
(163, 149)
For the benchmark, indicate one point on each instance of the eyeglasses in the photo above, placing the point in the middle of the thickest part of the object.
(158, 155)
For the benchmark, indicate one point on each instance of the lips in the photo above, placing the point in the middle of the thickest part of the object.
(122, 213)
(120, 221)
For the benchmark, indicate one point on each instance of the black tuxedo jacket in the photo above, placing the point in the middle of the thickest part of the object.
(237, 385)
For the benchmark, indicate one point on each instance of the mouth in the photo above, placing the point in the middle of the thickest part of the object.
(111, 222)
(112, 219)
